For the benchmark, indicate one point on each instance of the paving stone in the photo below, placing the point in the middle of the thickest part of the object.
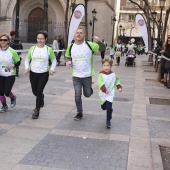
(95, 123)
(159, 129)
(79, 153)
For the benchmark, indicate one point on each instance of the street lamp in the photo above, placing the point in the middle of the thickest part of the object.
(113, 21)
(120, 28)
(131, 27)
(123, 32)
(17, 19)
(73, 5)
(161, 5)
(94, 12)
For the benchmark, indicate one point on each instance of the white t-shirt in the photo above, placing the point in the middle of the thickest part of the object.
(111, 51)
(40, 60)
(81, 60)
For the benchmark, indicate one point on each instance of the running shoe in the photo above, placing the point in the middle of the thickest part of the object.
(4, 109)
(13, 102)
(78, 116)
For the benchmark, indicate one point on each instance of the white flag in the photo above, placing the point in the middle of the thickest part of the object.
(75, 20)
(141, 23)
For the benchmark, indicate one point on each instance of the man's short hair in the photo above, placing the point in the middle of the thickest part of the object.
(81, 29)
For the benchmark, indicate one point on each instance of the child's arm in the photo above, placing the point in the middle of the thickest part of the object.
(101, 84)
(117, 83)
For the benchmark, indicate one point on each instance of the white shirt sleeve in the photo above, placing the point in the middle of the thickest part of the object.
(27, 63)
(53, 65)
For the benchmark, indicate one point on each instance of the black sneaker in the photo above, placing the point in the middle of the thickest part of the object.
(13, 102)
(42, 103)
(165, 83)
(108, 124)
(35, 115)
(78, 116)
(91, 91)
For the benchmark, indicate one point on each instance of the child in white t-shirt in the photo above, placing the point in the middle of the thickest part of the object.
(111, 51)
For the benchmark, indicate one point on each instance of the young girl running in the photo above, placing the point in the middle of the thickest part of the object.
(38, 60)
(107, 84)
(9, 60)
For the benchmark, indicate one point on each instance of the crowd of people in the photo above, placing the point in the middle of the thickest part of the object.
(41, 62)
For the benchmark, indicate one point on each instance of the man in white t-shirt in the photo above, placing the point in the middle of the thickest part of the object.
(80, 56)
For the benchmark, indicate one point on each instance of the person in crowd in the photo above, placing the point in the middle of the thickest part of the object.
(130, 46)
(118, 46)
(55, 46)
(9, 60)
(111, 51)
(16, 44)
(37, 60)
(118, 55)
(107, 83)
(123, 49)
(61, 47)
(80, 56)
(103, 52)
(166, 62)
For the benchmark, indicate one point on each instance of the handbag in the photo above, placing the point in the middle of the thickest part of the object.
(167, 65)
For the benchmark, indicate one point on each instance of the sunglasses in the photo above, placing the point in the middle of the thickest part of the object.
(5, 40)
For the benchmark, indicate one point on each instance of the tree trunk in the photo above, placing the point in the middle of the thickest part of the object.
(86, 18)
(45, 24)
(66, 24)
(165, 24)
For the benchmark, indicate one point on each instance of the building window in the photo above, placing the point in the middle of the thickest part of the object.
(131, 17)
(132, 5)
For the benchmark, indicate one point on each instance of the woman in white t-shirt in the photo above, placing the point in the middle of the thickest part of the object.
(37, 61)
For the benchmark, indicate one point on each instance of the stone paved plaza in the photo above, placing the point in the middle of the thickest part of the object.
(56, 142)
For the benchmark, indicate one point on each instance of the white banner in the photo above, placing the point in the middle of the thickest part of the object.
(141, 23)
(75, 20)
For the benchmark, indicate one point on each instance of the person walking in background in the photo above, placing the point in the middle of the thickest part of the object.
(61, 47)
(123, 49)
(107, 83)
(55, 46)
(80, 56)
(103, 52)
(117, 55)
(38, 60)
(16, 44)
(9, 60)
(111, 51)
(166, 63)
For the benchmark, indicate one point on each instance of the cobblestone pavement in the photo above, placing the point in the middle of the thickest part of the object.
(56, 142)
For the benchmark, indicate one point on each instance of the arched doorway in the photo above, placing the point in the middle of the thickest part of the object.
(35, 23)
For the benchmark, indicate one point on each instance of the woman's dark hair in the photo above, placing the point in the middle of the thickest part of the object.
(166, 43)
(44, 33)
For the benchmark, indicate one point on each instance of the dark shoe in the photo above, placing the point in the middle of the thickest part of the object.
(42, 103)
(35, 115)
(168, 85)
(108, 124)
(13, 102)
(165, 83)
(4, 109)
(78, 116)
(91, 91)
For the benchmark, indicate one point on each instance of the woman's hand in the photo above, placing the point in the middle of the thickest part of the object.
(162, 51)
(10, 66)
(26, 71)
(51, 72)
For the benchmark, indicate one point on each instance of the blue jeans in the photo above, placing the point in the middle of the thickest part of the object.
(79, 84)
(108, 107)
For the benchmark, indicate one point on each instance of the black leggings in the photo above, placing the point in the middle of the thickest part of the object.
(108, 107)
(38, 82)
(6, 84)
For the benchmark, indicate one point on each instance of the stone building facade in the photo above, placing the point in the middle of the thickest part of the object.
(31, 17)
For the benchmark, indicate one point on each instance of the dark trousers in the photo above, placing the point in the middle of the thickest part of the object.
(6, 84)
(79, 84)
(118, 60)
(102, 55)
(108, 107)
(38, 82)
(59, 56)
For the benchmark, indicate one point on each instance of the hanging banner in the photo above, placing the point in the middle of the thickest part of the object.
(75, 20)
(141, 23)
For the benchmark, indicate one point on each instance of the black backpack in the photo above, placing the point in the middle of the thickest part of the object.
(86, 43)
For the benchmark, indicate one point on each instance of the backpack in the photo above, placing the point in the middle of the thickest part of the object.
(86, 43)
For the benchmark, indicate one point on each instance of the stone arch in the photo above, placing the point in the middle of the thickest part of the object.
(11, 6)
